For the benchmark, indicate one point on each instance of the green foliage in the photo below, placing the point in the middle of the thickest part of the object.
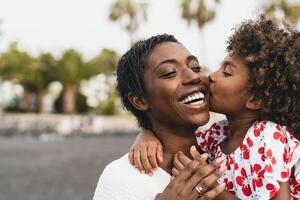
(133, 13)
(17, 66)
(200, 14)
(105, 62)
(109, 107)
(290, 10)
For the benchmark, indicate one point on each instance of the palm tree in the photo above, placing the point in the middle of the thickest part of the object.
(290, 10)
(17, 66)
(133, 13)
(198, 11)
(105, 62)
(71, 69)
(41, 77)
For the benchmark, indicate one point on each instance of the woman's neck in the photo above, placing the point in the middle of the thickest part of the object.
(174, 140)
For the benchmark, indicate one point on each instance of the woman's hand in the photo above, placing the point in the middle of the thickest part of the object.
(192, 176)
(146, 152)
(181, 160)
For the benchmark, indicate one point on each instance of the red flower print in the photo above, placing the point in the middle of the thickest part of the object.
(279, 136)
(284, 174)
(294, 187)
(287, 156)
(242, 181)
(229, 162)
(245, 149)
(258, 127)
(257, 175)
(273, 190)
(270, 160)
(229, 186)
(261, 150)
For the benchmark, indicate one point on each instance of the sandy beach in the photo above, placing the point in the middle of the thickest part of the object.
(60, 168)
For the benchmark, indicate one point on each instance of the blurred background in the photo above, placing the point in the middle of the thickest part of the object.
(61, 119)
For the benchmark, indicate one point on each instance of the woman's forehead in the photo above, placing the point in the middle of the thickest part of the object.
(167, 50)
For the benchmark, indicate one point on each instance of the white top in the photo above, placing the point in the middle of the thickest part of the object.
(121, 181)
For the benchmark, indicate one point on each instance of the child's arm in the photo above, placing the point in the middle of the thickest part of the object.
(146, 152)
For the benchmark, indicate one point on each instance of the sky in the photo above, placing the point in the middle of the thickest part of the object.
(56, 25)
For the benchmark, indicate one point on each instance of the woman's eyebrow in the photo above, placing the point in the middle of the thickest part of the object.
(167, 61)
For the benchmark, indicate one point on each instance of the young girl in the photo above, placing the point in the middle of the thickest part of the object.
(257, 88)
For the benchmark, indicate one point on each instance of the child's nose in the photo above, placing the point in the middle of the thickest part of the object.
(212, 77)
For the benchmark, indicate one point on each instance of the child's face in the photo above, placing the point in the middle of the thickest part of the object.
(228, 87)
(172, 76)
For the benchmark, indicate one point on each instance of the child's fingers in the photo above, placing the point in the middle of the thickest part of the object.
(145, 161)
(137, 161)
(160, 153)
(183, 158)
(152, 149)
(130, 157)
(177, 164)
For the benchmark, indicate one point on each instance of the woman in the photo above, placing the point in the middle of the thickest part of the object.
(160, 82)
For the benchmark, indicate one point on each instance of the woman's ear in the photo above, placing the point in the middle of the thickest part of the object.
(253, 103)
(138, 102)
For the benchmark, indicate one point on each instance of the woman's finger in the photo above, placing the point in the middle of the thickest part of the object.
(213, 193)
(201, 173)
(187, 172)
(183, 159)
(175, 172)
(194, 152)
(177, 164)
(210, 181)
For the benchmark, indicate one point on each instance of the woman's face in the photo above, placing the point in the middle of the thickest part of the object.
(229, 87)
(176, 90)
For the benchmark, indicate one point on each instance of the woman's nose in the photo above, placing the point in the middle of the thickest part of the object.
(191, 77)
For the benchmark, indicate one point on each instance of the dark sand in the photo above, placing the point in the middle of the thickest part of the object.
(56, 170)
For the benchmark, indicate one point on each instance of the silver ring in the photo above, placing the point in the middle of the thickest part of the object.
(199, 190)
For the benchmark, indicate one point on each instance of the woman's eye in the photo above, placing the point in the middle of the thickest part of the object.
(196, 69)
(168, 74)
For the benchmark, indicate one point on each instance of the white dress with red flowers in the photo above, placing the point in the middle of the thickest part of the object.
(268, 155)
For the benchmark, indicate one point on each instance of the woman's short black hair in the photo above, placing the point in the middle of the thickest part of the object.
(130, 72)
(271, 51)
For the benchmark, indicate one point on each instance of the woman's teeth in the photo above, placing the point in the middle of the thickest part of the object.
(194, 99)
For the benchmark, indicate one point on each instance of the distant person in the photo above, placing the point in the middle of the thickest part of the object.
(257, 88)
(155, 78)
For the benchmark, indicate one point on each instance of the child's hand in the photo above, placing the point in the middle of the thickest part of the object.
(146, 152)
(181, 160)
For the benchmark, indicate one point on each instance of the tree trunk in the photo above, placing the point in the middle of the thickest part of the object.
(40, 99)
(27, 97)
(69, 99)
